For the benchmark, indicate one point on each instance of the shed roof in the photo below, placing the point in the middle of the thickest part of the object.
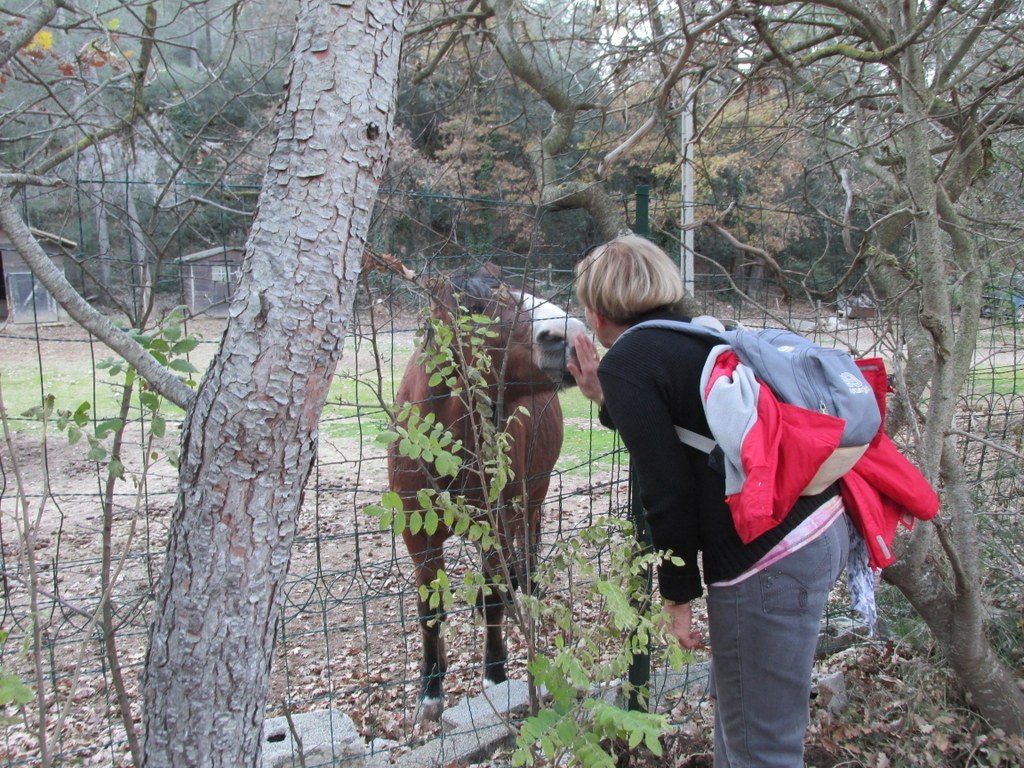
(218, 250)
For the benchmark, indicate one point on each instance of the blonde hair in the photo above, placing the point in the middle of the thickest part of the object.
(627, 277)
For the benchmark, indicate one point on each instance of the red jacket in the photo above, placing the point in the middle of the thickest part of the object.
(776, 449)
(883, 490)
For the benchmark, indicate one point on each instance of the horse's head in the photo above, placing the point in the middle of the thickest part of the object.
(533, 338)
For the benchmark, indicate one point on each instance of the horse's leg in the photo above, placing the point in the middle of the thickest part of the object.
(513, 565)
(531, 546)
(492, 607)
(428, 556)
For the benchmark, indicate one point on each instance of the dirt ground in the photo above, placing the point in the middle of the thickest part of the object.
(349, 638)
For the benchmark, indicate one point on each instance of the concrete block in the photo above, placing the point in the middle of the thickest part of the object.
(328, 737)
(830, 692)
(494, 705)
(462, 748)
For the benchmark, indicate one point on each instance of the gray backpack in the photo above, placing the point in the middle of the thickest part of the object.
(802, 373)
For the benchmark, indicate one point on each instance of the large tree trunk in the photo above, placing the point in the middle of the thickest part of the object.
(250, 434)
(952, 605)
(948, 596)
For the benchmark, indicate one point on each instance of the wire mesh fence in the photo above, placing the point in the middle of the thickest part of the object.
(348, 639)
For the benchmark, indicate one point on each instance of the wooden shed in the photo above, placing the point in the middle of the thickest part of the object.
(209, 277)
(23, 299)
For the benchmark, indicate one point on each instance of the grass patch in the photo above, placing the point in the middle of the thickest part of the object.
(24, 388)
(587, 445)
(996, 379)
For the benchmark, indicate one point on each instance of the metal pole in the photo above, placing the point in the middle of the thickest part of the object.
(640, 666)
(686, 190)
(643, 206)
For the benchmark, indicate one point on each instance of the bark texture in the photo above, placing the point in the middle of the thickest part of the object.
(250, 434)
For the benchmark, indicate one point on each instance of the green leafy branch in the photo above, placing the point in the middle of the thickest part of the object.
(12, 689)
(585, 656)
(455, 357)
(423, 437)
(79, 424)
(169, 346)
(590, 656)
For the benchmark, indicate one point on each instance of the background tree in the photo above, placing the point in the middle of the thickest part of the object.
(904, 110)
(913, 104)
(110, 108)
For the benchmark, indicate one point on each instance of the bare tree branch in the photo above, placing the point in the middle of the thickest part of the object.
(161, 379)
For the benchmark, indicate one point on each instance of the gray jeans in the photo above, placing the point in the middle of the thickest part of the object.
(763, 634)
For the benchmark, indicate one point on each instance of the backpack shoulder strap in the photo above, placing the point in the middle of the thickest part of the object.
(703, 328)
(695, 439)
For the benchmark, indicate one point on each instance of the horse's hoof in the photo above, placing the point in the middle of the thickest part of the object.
(497, 678)
(429, 710)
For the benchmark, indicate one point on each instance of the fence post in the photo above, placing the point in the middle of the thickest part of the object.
(643, 200)
(640, 666)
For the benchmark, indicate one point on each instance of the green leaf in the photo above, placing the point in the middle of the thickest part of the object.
(409, 449)
(387, 437)
(415, 522)
(567, 730)
(635, 737)
(548, 746)
(653, 742)
(590, 754)
(81, 415)
(182, 365)
(158, 426)
(522, 756)
(185, 346)
(13, 691)
(430, 522)
(107, 426)
(392, 500)
(35, 412)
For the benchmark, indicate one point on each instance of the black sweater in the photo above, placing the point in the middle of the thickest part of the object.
(651, 380)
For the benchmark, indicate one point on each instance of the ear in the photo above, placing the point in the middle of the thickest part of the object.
(442, 301)
(598, 321)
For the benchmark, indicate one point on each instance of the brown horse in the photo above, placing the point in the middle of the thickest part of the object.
(532, 342)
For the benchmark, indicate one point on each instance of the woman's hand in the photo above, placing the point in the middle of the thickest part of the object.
(583, 367)
(682, 625)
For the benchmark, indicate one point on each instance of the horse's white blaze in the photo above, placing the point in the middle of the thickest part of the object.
(551, 320)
